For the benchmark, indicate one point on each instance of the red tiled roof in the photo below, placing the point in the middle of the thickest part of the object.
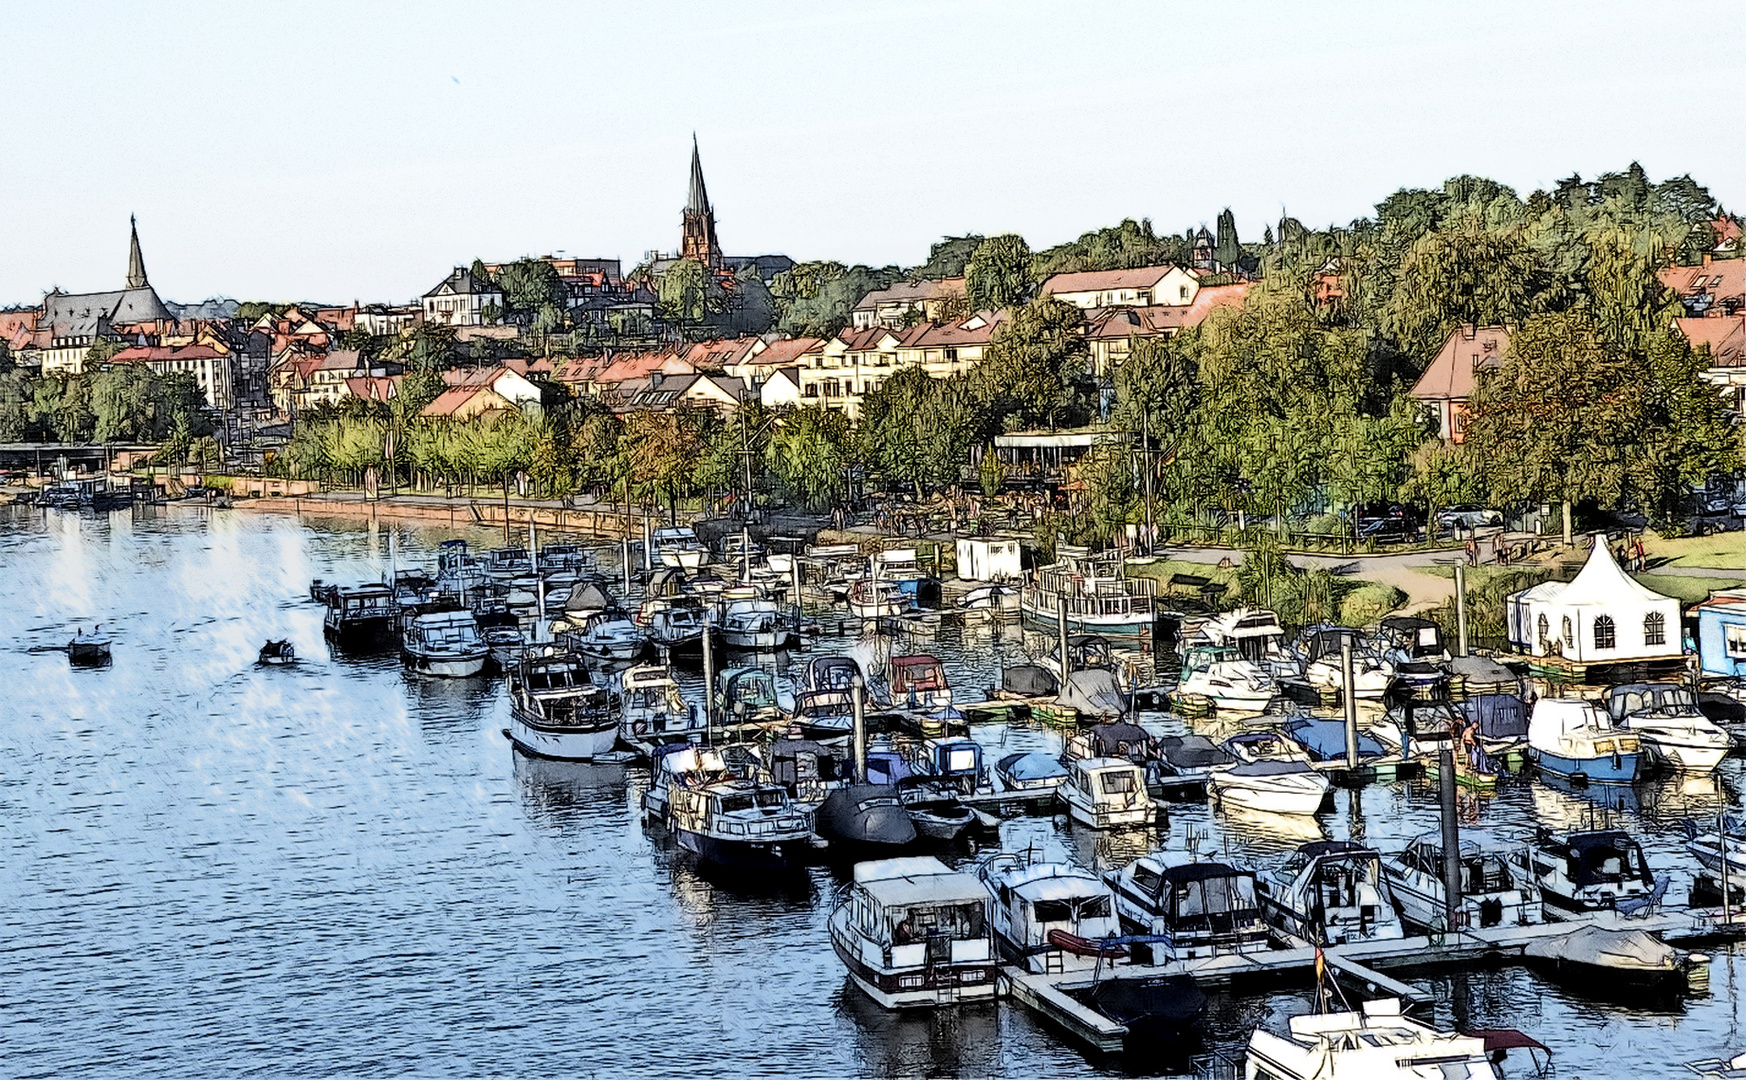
(374, 387)
(1718, 277)
(953, 334)
(1449, 377)
(1142, 277)
(450, 401)
(145, 354)
(1726, 338)
(783, 352)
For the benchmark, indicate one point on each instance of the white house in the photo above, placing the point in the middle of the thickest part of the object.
(1140, 287)
(1601, 616)
(781, 387)
(461, 299)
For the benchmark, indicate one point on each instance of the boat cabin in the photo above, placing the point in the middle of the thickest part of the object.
(831, 672)
(1413, 638)
(508, 562)
(1330, 892)
(1049, 916)
(1107, 793)
(958, 761)
(914, 932)
(753, 688)
(1638, 699)
(1207, 908)
(1589, 871)
(919, 681)
(364, 608)
(1496, 889)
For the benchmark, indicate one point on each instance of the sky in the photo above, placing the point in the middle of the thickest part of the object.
(359, 151)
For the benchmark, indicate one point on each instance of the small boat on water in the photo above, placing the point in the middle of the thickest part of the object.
(678, 546)
(1496, 886)
(1191, 757)
(989, 600)
(1713, 846)
(1599, 870)
(678, 627)
(360, 611)
(1258, 638)
(832, 673)
(89, 650)
(1274, 787)
(445, 643)
(825, 715)
(1666, 719)
(918, 683)
(507, 644)
(1377, 1043)
(277, 653)
(1330, 892)
(1049, 916)
(1324, 740)
(740, 823)
(1108, 793)
(1031, 773)
(1222, 675)
(934, 807)
(755, 625)
(748, 695)
(1324, 669)
(505, 564)
(1499, 722)
(652, 710)
(609, 635)
(866, 819)
(1206, 908)
(681, 765)
(556, 712)
(1574, 739)
(956, 761)
(1612, 962)
(871, 598)
(913, 932)
(900, 568)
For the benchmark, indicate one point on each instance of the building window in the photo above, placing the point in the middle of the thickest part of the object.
(1184, 292)
(951, 356)
(1606, 635)
(1569, 636)
(1545, 630)
(812, 389)
(1734, 640)
(1655, 628)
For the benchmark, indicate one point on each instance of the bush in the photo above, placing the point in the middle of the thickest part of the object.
(1368, 603)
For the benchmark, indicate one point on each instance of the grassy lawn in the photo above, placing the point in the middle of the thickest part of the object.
(1687, 590)
(1722, 551)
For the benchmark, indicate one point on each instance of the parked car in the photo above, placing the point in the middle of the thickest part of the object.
(1385, 521)
(1468, 517)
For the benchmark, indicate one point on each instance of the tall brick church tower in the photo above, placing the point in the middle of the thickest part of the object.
(699, 220)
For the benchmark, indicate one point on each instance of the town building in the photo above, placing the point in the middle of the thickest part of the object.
(698, 241)
(462, 300)
(900, 303)
(1713, 288)
(387, 320)
(1447, 384)
(1111, 332)
(71, 323)
(210, 363)
(1140, 287)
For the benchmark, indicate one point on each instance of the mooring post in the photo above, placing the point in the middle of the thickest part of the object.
(1061, 631)
(708, 681)
(857, 694)
(1460, 609)
(1349, 700)
(1451, 838)
(627, 567)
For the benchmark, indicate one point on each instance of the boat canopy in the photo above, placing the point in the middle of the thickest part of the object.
(1094, 691)
(588, 598)
(1599, 857)
(1033, 765)
(1603, 947)
(1029, 680)
(1192, 751)
(1663, 698)
(1120, 739)
(1325, 739)
(1499, 716)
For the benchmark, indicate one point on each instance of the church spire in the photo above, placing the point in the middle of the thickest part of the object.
(699, 201)
(136, 275)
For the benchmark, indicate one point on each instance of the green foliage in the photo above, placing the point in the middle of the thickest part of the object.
(1123, 247)
(814, 299)
(991, 473)
(529, 285)
(1035, 362)
(1466, 275)
(1226, 248)
(1368, 603)
(808, 456)
(250, 311)
(947, 258)
(998, 274)
(16, 390)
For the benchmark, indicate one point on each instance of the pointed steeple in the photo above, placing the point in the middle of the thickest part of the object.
(136, 275)
(698, 203)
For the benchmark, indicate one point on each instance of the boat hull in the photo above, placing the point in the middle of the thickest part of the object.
(1611, 769)
(565, 745)
(739, 854)
(918, 988)
(1097, 817)
(1141, 628)
(447, 667)
(1280, 799)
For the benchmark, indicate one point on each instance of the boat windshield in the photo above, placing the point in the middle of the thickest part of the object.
(1215, 896)
(738, 803)
(1071, 909)
(961, 922)
(1120, 782)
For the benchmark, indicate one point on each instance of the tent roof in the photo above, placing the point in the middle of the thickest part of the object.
(1601, 581)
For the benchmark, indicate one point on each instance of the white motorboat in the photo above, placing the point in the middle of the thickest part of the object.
(1107, 793)
(653, 711)
(678, 546)
(1206, 908)
(871, 598)
(1573, 739)
(507, 563)
(1599, 870)
(918, 683)
(740, 823)
(555, 712)
(1330, 892)
(1377, 1043)
(1274, 787)
(609, 635)
(914, 933)
(677, 627)
(1712, 847)
(899, 567)
(1324, 669)
(825, 715)
(1257, 637)
(989, 599)
(680, 764)
(1497, 888)
(1030, 773)
(445, 643)
(1222, 675)
(506, 643)
(755, 624)
(1050, 916)
(1665, 718)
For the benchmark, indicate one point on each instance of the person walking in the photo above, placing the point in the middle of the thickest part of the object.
(1472, 552)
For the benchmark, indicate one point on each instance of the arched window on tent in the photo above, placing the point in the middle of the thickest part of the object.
(1655, 628)
(1545, 635)
(1606, 635)
(1569, 635)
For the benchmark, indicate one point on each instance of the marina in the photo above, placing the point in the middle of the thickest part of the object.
(420, 807)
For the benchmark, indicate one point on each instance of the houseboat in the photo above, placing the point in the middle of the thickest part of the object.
(1206, 908)
(357, 612)
(1573, 739)
(1049, 916)
(1599, 870)
(445, 643)
(1107, 793)
(741, 824)
(1497, 888)
(914, 933)
(1097, 595)
(1330, 892)
(555, 712)
(1376, 1043)
(1666, 720)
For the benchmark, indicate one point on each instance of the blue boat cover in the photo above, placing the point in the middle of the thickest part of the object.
(1031, 766)
(1325, 739)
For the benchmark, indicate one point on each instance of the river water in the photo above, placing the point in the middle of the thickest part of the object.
(336, 868)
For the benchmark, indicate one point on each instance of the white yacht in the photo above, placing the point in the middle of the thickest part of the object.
(1049, 916)
(1593, 871)
(653, 711)
(1497, 888)
(444, 643)
(682, 765)
(1258, 637)
(678, 546)
(1665, 718)
(1324, 669)
(1206, 908)
(740, 823)
(913, 932)
(1224, 676)
(1330, 892)
(1107, 793)
(1378, 1043)
(610, 635)
(755, 624)
(872, 598)
(555, 712)
(1270, 773)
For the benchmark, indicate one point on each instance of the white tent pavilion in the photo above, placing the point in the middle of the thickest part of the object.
(1602, 615)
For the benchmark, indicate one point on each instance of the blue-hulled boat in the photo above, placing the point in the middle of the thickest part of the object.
(1576, 740)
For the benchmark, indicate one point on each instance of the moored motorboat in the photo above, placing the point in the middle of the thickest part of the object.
(1376, 1043)
(1329, 892)
(914, 933)
(1049, 916)
(1275, 787)
(678, 546)
(1324, 667)
(870, 598)
(1666, 719)
(740, 823)
(556, 712)
(1031, 773)
(89, 649)
(277, 653)
(934, 807)
(865, 819)
(445, 643)
(755, 625)
(609, 635)
(1205, 907)
(1574, 739)
(826, 715)
(1614, 962)
(1223, 676)
(1596, 870)
(652, 710)
(748, 695)
(1497, 888)
(1108, 793)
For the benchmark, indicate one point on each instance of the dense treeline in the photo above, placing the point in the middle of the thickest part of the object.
(124, 404)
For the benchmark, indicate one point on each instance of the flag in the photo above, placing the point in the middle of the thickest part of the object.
(1321, 965)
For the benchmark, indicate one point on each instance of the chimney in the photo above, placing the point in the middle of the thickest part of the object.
(1706, 261)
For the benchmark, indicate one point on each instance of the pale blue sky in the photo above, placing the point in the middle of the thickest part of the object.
(358, 151)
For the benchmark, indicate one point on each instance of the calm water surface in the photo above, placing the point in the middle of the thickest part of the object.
(339, 869)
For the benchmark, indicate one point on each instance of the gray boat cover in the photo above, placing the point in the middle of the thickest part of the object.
(666, 581)
(1193, 752)
(1120, 739)
(1029, 680)
(1094, 692)
(587, 599)
(1598, 946)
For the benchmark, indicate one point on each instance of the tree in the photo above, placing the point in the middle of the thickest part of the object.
(529, 285)
(689, 292)
(1031, 367)
(808, 456)
(814, 299)
(998, 275)
(1226, 248)
(1465, 276)
(15, 396)
(1130, 244)
(751, 309)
